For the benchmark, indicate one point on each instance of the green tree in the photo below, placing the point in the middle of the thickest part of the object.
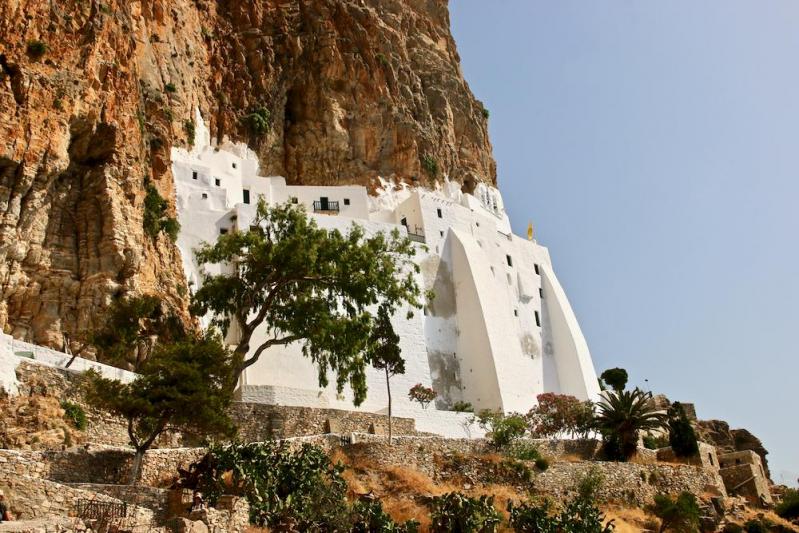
(422, 395)
(579, 515)
(621, 416)
(788, 508)
(505, 429)
(384, 354)
(307, 284)
(181, 385)
(615, 378)
(680, 514)
(682, 437)
(131, 331)
(560, 414)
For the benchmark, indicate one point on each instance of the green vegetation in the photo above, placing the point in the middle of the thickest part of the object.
(369, 517)
(36, 49)
(382, 59)
(422, 395)
(456, 512)
(430, 165)
(155, 219)
(682, 437)
(185, 385)
(463, 407)
(523, 450)
(622, 415)
(190, 129)
(170, 87)
(788, 508)
(384, 354)
(259, 120)
(589, 484)
(542, 463)
(285, 273)
(505, 429)
(615, 378)
(679, 514)
(652, 442)
(485, 112)
(577, 516)
(557, 415)
(75, 414)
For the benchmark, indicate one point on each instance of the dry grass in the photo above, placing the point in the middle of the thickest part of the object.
(631, 519)
(755, 514)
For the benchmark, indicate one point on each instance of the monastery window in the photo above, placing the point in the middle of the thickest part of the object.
(294, 200)
(710, 458)
(246, 196)
(477, 224)
(346, 201)
(441, 232)
(537, 319)
(541, 293)
(440, 213)
(537, 272)
(223, 231)
(234, 165)
(492, 271)
(194, 174)
(509, 259)
(515, 312)
(205, 196)
(217, 182)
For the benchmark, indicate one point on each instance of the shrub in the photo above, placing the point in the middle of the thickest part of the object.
(369, 516)
(423, 395)
(578, 516)
(485, 112)
(505, 429)
(615, 378)
(589, 483)
(170, 87)
(430, 165)
(514, 469)
(259, 120)
(300, 487)
(463, 407)
(75, 414)
(456, 512)
(732, 528)
(525, 451)
(682, 437)
(788, 508)
(382, 59)
(756, 526)
(190, 129)
(561, 414)
(155, 219)
(36, 49)
(680, 514)
(652, 442)
(542, 463)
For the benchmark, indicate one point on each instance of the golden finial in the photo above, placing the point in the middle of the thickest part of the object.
(530, 231)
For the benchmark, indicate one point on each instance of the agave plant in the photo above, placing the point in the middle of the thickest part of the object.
(621, 416)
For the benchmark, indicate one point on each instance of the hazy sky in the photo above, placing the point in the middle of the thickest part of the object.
(655, 145)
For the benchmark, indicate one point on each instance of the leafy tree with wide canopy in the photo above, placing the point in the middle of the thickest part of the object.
(302, 283)
(621, 416)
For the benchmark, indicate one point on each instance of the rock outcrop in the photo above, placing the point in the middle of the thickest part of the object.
(719, 434)
(93, 95)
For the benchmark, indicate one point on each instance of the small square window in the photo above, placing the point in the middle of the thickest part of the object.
(234, 165)
(537, 319)
(246, 194)
(205, 196)
(222, 231)
(537, 272)
(217, 182)
(509, 259)
(477, 224)
(441, 232)
(346, 201)
(194, 175)
(440, 214)
(294, 200)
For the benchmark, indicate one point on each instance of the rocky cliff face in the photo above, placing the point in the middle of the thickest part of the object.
(93, 95)
(719, 434)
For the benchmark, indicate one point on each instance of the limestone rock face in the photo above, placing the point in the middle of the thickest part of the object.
(94, 94)
(718, 433)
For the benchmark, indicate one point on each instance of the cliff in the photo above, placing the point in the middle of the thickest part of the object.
(94, 94)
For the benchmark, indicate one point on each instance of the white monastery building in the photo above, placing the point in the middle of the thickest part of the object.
(498, 332)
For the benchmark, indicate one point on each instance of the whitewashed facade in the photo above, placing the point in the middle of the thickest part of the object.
(499, 331)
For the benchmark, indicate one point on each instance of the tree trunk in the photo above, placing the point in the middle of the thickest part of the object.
(388, 388)
(136, 469)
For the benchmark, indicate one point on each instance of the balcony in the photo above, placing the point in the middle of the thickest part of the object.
(416, 234)
(325, 206)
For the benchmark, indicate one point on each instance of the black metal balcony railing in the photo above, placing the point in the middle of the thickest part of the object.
(325, 207)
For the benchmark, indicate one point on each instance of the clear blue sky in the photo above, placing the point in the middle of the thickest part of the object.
(655, 145)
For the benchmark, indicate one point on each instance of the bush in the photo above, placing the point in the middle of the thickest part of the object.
(652, 442)
(561, 414)
(259, 120)
(788, 508)
(756, 526)
(578, 516)
(682, 437)
(485, 112)
(505, 429)
(190, 129)
(430, 165)
(463, 407)
(524, 451)
(732, 528)
(155, 219)
(680, 514)
(368, 517)
(459, 513)
(542, 463)
(36, 49)
(299, 487)
(75, 414)
(170, 87)
(423, 395)
(589, 483)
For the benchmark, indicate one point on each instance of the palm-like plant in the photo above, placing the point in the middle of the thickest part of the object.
(621, 416)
